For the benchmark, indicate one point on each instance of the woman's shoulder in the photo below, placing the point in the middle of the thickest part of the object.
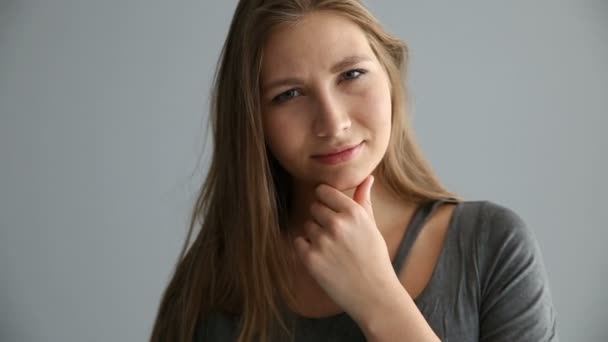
(491, 222)
(501, 243)
(490, 233)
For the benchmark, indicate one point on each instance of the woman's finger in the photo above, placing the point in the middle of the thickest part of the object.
(313, 231)
(323, 215)
(334, 199)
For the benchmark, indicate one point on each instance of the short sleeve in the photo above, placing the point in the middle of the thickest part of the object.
(216, 327)
(200, 332)
(516, 302)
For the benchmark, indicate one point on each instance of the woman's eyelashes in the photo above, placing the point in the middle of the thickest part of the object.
(349, 75)
(355, 73)
(288, 95)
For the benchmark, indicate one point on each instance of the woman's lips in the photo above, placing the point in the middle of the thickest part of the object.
(339, 157)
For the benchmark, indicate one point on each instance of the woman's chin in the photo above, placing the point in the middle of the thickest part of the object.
(342, 180)
(344, 183)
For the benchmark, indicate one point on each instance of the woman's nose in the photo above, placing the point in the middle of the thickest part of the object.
(332, 117)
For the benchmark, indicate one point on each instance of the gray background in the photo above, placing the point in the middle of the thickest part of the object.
(102, 116)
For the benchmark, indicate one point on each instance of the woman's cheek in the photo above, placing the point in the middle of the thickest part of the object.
(284, 133)
(376, 105)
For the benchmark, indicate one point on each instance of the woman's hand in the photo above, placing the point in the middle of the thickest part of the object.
(346, 253)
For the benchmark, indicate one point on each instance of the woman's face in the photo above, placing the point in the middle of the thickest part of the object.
(323, 90)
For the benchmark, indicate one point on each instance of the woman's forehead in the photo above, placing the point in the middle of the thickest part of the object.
(319, 41)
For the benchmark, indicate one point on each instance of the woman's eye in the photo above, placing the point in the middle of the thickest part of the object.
(353, 74)
(291, 93)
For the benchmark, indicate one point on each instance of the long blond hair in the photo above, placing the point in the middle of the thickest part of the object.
(237, 263)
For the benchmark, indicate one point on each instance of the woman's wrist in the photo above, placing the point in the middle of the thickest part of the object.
(395, 317)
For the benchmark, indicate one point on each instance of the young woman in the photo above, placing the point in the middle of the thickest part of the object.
(320, 218)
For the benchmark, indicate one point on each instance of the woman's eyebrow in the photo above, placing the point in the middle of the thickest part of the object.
(348, 61)
(342, 64)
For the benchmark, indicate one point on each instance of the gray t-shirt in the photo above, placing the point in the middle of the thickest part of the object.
(489, 284)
